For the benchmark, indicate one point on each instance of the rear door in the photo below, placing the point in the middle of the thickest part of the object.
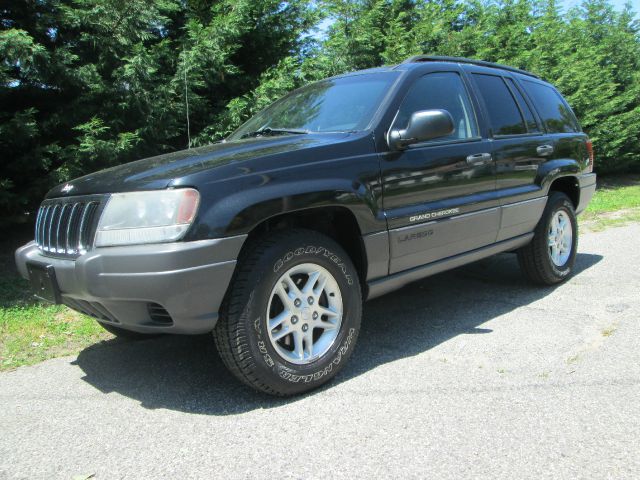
(438, 195)
(519, 147)
(563, 131)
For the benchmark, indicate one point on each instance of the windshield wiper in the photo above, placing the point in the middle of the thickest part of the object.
(275, 131)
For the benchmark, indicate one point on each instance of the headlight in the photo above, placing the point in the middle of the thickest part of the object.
(147, 217)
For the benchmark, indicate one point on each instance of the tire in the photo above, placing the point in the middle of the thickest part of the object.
(543, 263)
(125, 334)
(267, 359)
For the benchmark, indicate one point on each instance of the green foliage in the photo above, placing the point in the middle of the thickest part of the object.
(87, 84)
(31, 331)
(591, 53)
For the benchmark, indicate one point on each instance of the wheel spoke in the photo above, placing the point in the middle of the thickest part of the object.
(311, 281)
(283, 295)
(552, 240)
(308, 343)
(276, 321)
(329, 312)
(562, 222)
(297, 345)
(294, 291)
(326, 325)
(322, 282)
(280, 334)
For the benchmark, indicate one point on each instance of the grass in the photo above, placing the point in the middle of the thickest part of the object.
(31, 331)
(616, 202)
(607, 332)
(573, 359)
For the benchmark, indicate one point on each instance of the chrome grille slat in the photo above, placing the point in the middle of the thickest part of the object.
(38, 220)
(68, 243)
(50, 227)
(61, 226)
(82, 237)
(65, 227)
(43, 222)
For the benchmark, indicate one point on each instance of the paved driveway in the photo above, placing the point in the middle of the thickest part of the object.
(471, 373)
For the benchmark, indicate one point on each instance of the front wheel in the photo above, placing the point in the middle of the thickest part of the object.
(292, 315)
(551, 255)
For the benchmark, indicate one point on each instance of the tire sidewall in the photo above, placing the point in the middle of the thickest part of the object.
(275, 371)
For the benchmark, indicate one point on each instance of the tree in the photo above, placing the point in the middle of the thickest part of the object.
(87, 84)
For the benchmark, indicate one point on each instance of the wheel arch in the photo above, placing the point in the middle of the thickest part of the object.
(569, 186)
(337, 222)
(561, 175)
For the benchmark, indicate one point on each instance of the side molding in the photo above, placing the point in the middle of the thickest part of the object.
(398, 280)
(376, 247)
(520, 218)
(428, 242)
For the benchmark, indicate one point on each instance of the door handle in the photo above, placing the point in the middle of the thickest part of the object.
(479, 158)
(544, 150)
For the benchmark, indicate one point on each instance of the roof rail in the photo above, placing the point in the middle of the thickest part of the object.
(482, 63)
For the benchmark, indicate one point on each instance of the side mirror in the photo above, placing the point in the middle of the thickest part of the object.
(423, 125)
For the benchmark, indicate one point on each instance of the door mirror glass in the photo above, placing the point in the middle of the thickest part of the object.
(423, 125)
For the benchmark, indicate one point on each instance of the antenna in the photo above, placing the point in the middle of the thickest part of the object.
(186, 95)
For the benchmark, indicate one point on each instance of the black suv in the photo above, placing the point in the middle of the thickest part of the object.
(343, 190)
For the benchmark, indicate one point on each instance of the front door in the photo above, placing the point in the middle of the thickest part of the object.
(439, 196)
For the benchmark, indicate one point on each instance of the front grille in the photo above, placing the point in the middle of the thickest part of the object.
(65, 227)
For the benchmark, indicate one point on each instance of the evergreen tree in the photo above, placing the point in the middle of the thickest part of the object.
(86, 84)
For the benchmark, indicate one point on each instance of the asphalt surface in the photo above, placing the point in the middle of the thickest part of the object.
(468, 374)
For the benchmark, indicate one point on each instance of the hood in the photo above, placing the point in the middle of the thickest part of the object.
(224, 159)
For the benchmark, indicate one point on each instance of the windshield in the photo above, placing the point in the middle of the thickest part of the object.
(335, 105)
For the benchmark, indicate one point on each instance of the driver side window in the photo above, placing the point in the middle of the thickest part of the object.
(444, 91)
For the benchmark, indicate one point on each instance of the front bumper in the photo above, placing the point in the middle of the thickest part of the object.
(125, 286)
(587, 184)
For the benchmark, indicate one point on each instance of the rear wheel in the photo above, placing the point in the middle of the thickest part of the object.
(292, 315)
(551, 255)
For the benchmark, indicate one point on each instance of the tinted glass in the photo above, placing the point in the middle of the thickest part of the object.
(444, 91)
(504, 114)
(524, 107)
(341, 104)
(556, 115)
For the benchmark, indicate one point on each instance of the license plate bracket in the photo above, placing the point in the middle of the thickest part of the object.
(44, 284)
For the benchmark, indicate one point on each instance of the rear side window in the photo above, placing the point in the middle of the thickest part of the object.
(555, 113)
(504, 114)
(524, 107)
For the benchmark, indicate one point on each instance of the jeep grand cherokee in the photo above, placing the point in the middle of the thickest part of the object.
(341, 191)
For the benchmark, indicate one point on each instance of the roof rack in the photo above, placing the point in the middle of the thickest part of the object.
(481, 63)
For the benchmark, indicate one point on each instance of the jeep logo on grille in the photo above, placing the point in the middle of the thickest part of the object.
(67, 188)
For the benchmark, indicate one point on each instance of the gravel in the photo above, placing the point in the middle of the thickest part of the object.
(468, 374)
